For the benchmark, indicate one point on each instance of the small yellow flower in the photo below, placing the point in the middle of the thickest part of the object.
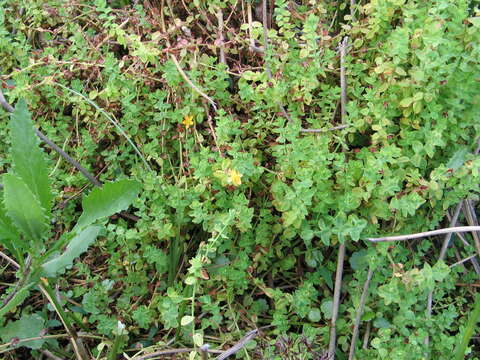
(234, 177)
(187, 121)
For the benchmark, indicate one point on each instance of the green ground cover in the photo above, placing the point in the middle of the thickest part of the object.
(256, 172)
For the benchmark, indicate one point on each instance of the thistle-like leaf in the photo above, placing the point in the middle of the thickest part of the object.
(9, 236)
(24, 209)
(78, 245)
(111, 198)
(28, 158)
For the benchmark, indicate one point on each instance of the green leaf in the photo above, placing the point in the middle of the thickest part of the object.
(78, 245)
(475, 21)
(23, 208)
(440, 271)
(407, 204)
(28, 159)
(406, 102)
(327, 308)
(143, 316)
(27, 327)
(17, 299)
(381, 323)
(418, 96)
(417, 107)
(314, 315)
(111, 198)
(8, 232)
(198, 339)
(327, 276)
(457, 159)
(368, 315)
(187, 319)
(359, 260)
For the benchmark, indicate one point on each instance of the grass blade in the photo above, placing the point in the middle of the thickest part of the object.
(468, 332)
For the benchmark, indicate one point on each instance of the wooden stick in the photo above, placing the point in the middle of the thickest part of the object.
(341, 250)
(220, 37)
(358, 317)
(426, 234)
(238, 346)
(463, 260)
(336, 301)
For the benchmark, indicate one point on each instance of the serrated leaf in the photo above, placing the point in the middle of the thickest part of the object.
(77, 246)
(23, 208)
(111, 198)
(407, 204)
(28, 326)
(440, 271)
(8, 232)
(28, 159)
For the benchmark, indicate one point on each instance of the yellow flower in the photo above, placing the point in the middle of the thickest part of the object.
(187, 121)
(234, 177)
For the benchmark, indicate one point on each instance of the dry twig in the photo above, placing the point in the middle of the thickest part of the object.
(239, 345)
(449, 230)
(358, 317)
(220, 37)
(341, 249)
(472, 220)
(463, 260)
(336, 301)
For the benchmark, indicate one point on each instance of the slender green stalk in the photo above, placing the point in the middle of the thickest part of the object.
(175, 250)
(468, 332)
(112, 355)
(80, 351)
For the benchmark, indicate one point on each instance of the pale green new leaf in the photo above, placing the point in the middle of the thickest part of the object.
(23, 208)
(78, 245)
(111, 198)
(28, 159)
